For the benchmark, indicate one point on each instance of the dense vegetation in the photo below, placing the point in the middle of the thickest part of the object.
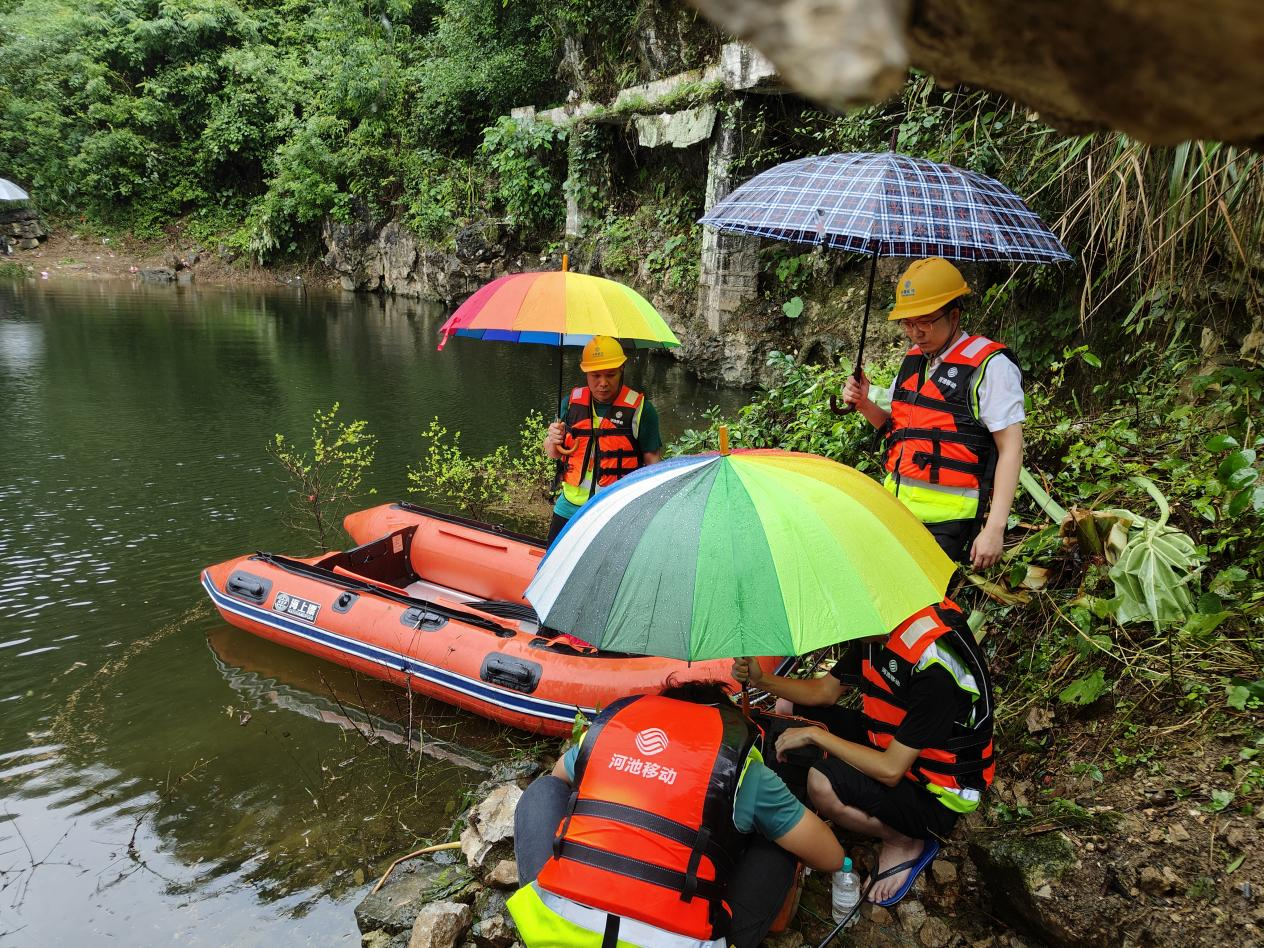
(258, 118)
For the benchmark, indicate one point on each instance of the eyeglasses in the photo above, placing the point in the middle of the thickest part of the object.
(909, 325)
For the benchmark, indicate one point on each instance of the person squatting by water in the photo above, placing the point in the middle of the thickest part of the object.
(662, 829)
(954, 435)
(627, 424)
(915, 757)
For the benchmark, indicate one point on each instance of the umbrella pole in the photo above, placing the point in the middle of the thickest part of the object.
(864, 331)
(561, 365)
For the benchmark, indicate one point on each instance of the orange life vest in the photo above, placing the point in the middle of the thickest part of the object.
(614, 452)
(960, 771)
(649, 832)
(933, 434)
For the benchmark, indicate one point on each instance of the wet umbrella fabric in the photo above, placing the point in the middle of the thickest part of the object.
(891, 205)
(749, 553)
(558, 308)
(11, 192)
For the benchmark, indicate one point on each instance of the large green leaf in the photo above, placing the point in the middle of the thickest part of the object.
(1221, 442)
(1156, 570)
(1085, 690)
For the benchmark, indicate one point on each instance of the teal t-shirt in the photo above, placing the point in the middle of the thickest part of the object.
(764, 803)
(650, 438)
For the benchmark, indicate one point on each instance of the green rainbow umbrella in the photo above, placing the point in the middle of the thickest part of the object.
(734, 554)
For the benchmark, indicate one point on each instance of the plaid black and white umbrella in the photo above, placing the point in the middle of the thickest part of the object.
(891, 205)
(887, 205)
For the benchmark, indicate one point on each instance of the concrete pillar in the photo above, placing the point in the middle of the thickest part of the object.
(729, 272)
(587, 174)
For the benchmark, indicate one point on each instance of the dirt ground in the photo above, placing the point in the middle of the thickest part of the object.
(69, 253)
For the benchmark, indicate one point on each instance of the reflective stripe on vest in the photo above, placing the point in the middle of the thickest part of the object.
(935, 435)
(649, 831)
(546, 920)
(931, 503)
(938, 635)
(618, 452)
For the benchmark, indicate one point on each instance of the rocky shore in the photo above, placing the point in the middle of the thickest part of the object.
(456, 898)
(1100, 863)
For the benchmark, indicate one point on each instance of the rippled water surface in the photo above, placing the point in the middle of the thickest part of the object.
(165, 778)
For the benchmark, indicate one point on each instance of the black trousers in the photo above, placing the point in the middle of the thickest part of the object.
(555, 527)
(907, 807)
(759, 885)
(954, 537)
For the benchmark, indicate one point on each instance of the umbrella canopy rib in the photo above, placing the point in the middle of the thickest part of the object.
(838, 555)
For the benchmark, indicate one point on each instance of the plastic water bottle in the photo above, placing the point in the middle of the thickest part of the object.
(846, 894)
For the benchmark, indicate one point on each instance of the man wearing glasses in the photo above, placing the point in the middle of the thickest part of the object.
(954, 435)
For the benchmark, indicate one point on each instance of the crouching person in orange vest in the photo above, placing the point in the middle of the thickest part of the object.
(954, 435)
(662, 829)
(918, 753)
(626, 425)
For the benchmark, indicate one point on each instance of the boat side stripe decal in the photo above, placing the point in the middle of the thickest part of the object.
(490, 694)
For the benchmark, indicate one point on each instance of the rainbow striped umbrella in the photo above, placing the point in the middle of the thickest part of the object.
(558, 308)
(749, 553)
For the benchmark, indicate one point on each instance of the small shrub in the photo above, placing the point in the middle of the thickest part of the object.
(324, 480)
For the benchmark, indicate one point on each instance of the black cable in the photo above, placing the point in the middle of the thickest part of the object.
(850, 915)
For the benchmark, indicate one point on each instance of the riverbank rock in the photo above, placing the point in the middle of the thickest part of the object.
(495, 931)
(489, 823)
(440, 925)
(395, 906)
(504, 875)
(386, 256)
(21, 228)
(1019, 876)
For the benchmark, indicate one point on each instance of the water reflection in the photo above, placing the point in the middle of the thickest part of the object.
(153, 789)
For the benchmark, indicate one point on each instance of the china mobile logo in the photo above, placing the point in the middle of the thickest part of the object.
(651, 741)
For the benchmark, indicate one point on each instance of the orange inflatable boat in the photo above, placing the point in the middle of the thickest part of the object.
(434, 603)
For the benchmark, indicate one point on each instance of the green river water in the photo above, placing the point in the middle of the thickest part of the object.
(164, 777)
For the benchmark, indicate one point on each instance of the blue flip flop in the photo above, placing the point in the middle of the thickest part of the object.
(930, 849)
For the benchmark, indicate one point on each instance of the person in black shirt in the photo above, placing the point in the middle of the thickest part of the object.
(915, 757)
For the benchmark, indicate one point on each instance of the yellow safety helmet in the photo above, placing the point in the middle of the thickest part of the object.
(926, 286)
(601, 353)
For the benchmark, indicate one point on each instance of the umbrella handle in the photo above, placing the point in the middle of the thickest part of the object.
(844, 410)
(568, 451)
(565, 451)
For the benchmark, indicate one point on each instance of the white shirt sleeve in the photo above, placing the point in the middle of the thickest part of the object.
(1001, 394)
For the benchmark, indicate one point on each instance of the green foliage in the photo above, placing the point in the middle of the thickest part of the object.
(1239, 474)
(324, 480)
(1085, 690)
(511, 482)
(136, 112)
(1156, 570)
(794, 414)
(9, 270)
(480, 59)
(520, 157)
(659, 242)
